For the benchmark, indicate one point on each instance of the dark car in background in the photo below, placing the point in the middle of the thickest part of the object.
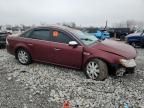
(99, 33)
(136, 39)
(3, 36)
(74, 49)
(119, 33)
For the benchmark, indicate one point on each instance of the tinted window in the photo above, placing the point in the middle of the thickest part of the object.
(60, 37)
(40, 34)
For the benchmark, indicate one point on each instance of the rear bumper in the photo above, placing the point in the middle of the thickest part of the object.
(9, 50)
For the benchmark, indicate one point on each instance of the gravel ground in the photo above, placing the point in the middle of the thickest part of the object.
(47, 86)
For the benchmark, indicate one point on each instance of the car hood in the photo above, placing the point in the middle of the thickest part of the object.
(134, 34)
(117, 48)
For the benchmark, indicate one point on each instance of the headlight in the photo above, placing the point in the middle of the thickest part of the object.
(128, 63)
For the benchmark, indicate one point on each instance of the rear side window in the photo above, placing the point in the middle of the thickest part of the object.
(60, 37)
(42, 34)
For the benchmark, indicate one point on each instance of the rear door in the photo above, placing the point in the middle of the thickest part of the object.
(40, 45)
(63, 53)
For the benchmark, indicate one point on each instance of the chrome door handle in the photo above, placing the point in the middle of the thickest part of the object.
(57, 49)
(30, 44)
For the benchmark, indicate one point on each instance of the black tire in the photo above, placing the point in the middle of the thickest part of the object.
(27, 55)
(103, 70)
(133, 44)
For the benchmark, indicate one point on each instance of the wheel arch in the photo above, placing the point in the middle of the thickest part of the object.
(100, 58)
(21, 47)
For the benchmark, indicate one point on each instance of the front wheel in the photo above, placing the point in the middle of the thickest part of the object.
(23, 57)
(96, 69)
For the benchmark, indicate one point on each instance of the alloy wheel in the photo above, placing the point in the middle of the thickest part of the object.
(92, 70)
(23, 57)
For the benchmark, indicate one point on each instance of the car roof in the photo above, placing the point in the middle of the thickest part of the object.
(60, 27)
(65, 28)
(52, 26)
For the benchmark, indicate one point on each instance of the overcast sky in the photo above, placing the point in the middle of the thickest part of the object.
(83, 12)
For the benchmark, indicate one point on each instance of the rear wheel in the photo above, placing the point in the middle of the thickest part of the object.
(23, 57)
(96, 69)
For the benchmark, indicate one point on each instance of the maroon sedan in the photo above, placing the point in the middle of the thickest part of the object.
(72, 48)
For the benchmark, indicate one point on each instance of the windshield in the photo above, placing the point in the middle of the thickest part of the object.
(85, 38)
(140, 31)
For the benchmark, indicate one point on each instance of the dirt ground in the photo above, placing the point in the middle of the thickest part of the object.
(47, 86)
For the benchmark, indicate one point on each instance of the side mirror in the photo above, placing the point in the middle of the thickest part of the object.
(73, 43)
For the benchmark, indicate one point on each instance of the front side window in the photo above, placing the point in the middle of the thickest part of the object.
(60, 37)
(41, 34)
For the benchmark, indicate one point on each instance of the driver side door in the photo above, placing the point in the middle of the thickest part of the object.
(63, 54)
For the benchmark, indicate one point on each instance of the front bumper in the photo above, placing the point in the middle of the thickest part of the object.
(120, 70)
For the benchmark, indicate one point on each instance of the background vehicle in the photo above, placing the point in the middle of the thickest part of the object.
(3, 36)
(135, 39)
(119, 33)
(72, 48)
(100, 34)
